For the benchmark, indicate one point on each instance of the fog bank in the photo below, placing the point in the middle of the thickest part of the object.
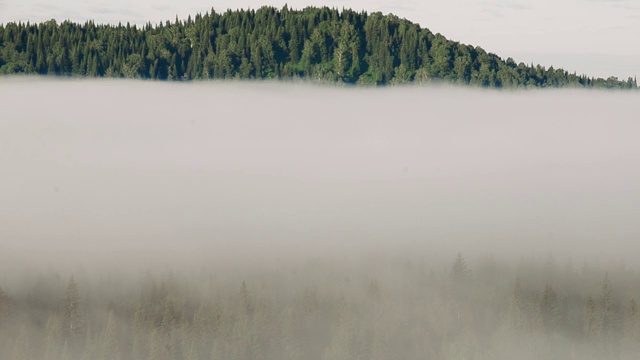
(272, 169)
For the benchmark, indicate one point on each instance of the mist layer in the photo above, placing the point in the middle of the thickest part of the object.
(265, 168)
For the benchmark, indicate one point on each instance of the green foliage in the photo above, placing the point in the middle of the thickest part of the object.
(317, 43)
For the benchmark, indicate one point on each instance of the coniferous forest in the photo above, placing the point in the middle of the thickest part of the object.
(371, 308)
(313, 43)
(267, 302)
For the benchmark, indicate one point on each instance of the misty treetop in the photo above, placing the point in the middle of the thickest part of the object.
(313, 43)
(389, 308)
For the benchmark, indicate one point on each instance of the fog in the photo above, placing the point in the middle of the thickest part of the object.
(282, 220)
(120, 165)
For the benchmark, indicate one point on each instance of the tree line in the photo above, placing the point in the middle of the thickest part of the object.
(383, 308)
(313, 43)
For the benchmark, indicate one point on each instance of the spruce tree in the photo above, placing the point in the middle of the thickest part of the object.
(71, 310)
(549, 309)
(4, 306)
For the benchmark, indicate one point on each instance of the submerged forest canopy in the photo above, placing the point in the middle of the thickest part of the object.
(383, 308)
(314, 43)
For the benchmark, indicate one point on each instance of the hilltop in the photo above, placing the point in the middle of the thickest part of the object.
(313, 43)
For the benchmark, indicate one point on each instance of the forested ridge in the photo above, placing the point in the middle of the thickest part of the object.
(313, 43)
(377, 308)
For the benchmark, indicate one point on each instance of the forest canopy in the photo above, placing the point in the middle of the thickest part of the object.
(322, 44)
(324, 309)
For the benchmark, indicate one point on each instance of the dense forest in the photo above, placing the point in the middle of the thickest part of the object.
(373, 308)
(314, 43)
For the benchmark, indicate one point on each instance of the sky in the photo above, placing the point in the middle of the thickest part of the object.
(594, 37)
(181, 165)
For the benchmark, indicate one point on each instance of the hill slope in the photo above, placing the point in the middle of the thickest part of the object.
(317, 43)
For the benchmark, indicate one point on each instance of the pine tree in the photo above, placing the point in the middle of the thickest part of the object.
(516, 310)
(460, 273)
(71, 310)
(23, 346)
(109, 340)
(288, 336)
(631, 332)
(608, 317)
(549, 309)
(4, 306)
(53, 338)
(591, 326)
(341, 342)
(90, 350)
(319, 43)
(159, 348)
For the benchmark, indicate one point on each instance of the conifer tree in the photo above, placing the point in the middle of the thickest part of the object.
(23, 346)
(608, 318)
(318, 43)
(109, 340)
(53, 338)
(4, 306)
(590, 324)
(631, 337)
(71, 311)
(460, 273)
(549, 309)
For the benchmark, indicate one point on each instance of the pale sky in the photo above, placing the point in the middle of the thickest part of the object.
(596, 37)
